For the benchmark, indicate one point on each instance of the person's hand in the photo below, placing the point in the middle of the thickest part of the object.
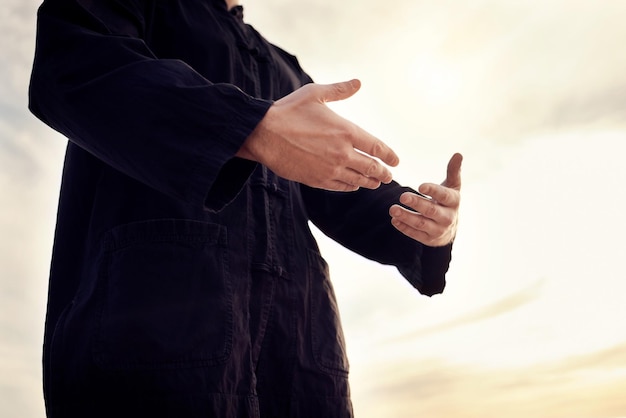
(301, 139)
(434, 220)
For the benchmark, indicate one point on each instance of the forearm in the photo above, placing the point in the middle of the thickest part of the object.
(360, 221)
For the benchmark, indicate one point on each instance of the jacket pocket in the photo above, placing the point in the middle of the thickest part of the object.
(165, 295)
(327, 339)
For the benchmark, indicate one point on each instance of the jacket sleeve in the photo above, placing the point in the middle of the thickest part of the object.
(361, 222)
(95, 80)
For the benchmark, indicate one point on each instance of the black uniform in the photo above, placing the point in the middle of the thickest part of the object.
(185, 281)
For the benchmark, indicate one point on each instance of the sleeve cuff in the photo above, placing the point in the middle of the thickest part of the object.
(428, 273)
(229, 182)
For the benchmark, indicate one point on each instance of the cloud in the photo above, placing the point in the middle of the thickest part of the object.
(609, 359)
(31, 158)
(581, 386)
(29, 190)
(21, 392)
(452, 71)
(490, 311)
(17, 40)
(606, 106)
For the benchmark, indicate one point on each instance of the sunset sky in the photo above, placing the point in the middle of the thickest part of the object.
(533, 93)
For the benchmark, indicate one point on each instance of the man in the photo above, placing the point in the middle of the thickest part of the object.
(185, 281)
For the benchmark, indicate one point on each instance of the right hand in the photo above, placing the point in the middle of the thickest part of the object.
(301, 139)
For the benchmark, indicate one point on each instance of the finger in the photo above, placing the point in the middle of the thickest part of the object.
(413, 219)
(425, 206)
(453, 175)
(442, 195)
(369, 144)
(407, 220)
(338, 186)
(363, 141)
(443, 216)
(414, 225)
(420, 236)
(354, 178)
(369, 167)
(338, 91)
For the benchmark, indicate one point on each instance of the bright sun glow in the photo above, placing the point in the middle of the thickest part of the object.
(436, 81)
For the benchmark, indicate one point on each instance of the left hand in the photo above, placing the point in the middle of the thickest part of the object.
(434, 222)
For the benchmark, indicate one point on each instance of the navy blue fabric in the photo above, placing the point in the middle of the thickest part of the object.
(185, 282)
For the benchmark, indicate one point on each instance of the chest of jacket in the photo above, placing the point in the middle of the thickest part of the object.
(221, 47)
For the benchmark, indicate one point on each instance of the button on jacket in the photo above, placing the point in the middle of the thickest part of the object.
(185, 282)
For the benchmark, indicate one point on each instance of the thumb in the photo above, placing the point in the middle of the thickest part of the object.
(339, 91)
(453, 177)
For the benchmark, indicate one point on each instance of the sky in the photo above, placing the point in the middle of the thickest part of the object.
(533, 93)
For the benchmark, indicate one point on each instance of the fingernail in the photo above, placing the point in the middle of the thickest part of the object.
(406, 199)
(395, 161)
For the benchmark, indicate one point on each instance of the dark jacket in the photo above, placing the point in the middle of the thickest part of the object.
(185, 282)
